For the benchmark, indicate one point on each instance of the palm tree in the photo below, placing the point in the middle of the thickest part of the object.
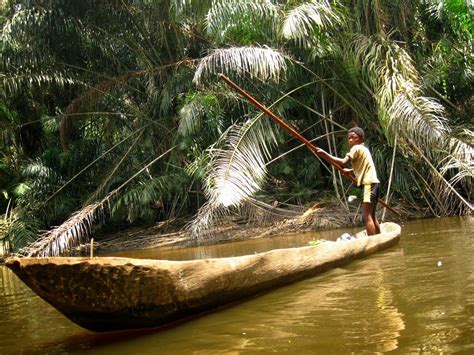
(142, 118)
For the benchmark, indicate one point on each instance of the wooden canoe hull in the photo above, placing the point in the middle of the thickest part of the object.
(107, 293)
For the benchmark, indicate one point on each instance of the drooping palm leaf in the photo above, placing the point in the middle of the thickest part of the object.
(403, 110)
(395, 82)
(460, 161)
(419, 118)
(241, 17)
(254, 62)
(69, 234)
(304, 21)
(237, 170)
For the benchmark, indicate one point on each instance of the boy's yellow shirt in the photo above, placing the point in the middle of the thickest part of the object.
(363, 165)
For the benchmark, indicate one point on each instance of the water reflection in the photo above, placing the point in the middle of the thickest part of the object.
(335, 300)
(401, 300)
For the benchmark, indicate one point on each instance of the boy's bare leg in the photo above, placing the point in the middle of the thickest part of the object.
(368, 214)
(374, 218)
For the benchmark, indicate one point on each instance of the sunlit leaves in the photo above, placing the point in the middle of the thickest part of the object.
(386, 66)
(309, 19)
(237, 170)
(460, 161)
(419, 118)
(254, 62)
(234, 20)
(392, 75)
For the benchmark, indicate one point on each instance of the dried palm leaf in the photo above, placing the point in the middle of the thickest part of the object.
(72, 232)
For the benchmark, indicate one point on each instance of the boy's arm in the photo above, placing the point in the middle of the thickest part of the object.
(324, 154)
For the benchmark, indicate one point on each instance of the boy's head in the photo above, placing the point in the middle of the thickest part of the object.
(355, 135)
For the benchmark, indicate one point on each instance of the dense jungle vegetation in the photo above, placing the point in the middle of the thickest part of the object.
(112, 111)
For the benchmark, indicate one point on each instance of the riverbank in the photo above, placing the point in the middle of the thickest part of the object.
(170, 234)
(264, 223)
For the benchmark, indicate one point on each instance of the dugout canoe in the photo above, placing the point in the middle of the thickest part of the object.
(108, 293)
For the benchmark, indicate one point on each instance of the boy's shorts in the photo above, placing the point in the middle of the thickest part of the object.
(370, 193)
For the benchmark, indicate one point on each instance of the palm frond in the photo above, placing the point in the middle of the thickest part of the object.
(460, 160)
(39, 170)
(386, 66)
(19, 230)
(248, 15)
(29, 21)
(191, 115)
(444, 191)
(257, 62)
(138, 200)
(41, 179)
(78, 227)
(190, 11)
(464, 170)
(162, 98)
(72, 232)
(16, 82)
(26, 66)
(305, 20)
(396, 84)
(419, 118)
(237, 170)
(460, 14)
(107, 180)
(194, 111)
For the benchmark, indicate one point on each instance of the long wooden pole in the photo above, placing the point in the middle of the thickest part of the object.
(294, 132)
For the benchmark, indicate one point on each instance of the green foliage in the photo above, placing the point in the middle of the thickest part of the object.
(234, 21)
(21, 231)
(113, 109)
(151, 199)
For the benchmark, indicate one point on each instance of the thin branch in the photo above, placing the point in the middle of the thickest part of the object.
(391, 174)
(92, 163)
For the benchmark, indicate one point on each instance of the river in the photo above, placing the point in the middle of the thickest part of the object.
(416, 297)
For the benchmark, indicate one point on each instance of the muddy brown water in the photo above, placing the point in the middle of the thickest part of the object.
(416, 297)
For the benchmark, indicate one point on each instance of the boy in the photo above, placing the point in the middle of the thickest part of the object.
(365, 173)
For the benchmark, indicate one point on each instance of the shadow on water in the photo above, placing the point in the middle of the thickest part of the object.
(88, 339)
